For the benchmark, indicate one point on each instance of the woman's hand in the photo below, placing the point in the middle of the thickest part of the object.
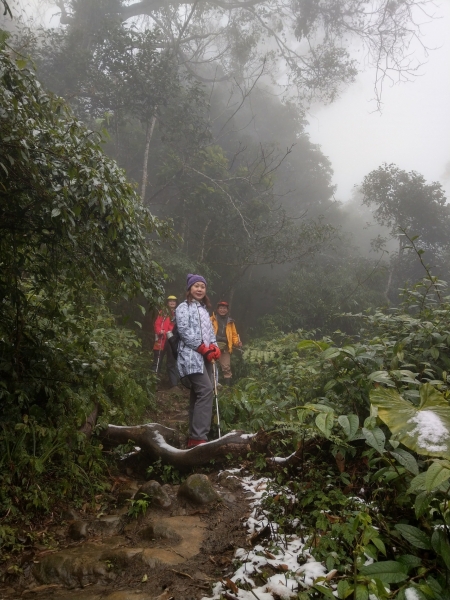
(205, 351)
(214, 352)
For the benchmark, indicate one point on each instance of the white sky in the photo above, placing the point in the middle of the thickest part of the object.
(413, 130)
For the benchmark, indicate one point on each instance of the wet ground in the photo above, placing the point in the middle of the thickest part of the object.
(176, 552)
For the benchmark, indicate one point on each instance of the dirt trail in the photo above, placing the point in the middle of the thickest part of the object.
(176, 552)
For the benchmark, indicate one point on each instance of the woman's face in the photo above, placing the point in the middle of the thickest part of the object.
(172, 304)
(222, 310)
(198, 290)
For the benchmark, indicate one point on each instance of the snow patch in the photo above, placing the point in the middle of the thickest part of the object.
(431, 432)
(311, 570)
(288, 554)
(282, 586)
(411, 594)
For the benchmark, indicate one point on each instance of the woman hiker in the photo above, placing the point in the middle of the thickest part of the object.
(163, 324)
(196, 351)
(227, 338)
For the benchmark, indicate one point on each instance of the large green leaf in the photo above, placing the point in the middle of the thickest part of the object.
(381, 377)
(426, 429)
(410, 561)
(437, 473)
(330, 353)
(324, 591)
(319, 407)
(324, 422)
(344, 589)
(388, 571)
(349, 424)
(421, 503)
(441, 546)
(361, 592)
(407, 460)
(417, 484)
(375, 438)
(414, 535)
(307, 344)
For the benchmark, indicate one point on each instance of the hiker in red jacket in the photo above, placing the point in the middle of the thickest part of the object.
(164, 323)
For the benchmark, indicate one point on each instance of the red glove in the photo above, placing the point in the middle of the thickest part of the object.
(204, 350)
(215, 353)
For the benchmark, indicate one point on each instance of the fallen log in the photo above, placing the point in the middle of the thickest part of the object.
(153, 439)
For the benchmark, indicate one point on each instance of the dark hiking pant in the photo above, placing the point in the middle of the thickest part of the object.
(201, 403)
(171, 363)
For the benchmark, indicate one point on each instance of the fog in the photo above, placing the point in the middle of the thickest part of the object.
(290, 239)
(412, 130)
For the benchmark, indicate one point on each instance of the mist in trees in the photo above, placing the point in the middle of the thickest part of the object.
(215, 149)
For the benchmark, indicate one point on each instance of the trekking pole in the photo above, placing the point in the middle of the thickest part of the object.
(216, 395)
(157, 362)
(159, 353)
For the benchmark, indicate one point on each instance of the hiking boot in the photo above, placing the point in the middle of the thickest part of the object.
(192, 443)
(228, 381)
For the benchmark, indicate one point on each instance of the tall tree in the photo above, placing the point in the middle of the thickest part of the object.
(223, 204)
(309, 39)
(230, 219)
(125, 82)
(405, 201)
(409, 206)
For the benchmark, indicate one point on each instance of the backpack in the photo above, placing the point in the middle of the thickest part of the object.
(173, 337)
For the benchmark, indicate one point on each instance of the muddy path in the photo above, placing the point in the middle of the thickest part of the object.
(174, 545)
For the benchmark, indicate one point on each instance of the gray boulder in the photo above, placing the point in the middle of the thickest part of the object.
(158, 531)
(198, 489)
(156, 494)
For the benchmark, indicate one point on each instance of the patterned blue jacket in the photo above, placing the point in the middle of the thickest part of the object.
(187, 317)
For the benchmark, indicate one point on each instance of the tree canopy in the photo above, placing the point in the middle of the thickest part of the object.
(307, 40)
(405, 202)
(232, 198)
(411, 208)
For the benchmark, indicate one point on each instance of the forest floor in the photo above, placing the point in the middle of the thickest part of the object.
(102, 552)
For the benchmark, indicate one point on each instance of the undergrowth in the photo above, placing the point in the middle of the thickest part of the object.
(369, 421)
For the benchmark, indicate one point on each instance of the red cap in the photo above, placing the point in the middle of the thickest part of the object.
(223, 303)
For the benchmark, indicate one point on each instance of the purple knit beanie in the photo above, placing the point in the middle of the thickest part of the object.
(191, 279)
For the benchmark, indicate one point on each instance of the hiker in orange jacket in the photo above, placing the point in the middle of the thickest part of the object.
(227, 337)
(163, 324)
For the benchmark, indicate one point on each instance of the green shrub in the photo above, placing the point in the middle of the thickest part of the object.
(75, 239)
